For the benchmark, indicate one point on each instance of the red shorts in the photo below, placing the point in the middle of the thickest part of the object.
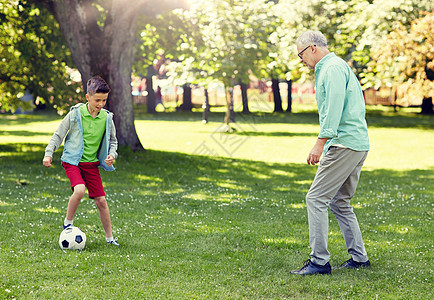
(86, 173)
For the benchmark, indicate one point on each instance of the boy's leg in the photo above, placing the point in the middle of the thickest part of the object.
(96, 191)
(74, 200)
(78, 187)
(104, 214)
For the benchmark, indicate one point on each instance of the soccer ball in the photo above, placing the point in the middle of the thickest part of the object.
(72, 238)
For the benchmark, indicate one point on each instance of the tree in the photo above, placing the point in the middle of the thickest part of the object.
(233, 42)
(162, 40)
(101, 36)
(282, 62)
(367, 22)
(35, 58)
(203, 57)
(405, 58)
(230, 43)
(270, 46)
(351, 27)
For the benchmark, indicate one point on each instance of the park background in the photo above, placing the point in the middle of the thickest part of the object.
(208, 196)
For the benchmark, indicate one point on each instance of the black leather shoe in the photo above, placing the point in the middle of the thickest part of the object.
(311, 268)
(351, 264)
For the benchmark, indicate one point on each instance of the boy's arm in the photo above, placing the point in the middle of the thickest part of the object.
(113, 142)
(56, 140)
(47, 161)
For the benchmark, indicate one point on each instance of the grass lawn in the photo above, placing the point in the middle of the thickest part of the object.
(205, 214)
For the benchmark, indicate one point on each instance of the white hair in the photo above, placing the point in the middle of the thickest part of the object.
(312, 38)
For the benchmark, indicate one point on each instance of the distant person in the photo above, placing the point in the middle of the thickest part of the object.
(343, 141)
(90, 142)
(159, 98)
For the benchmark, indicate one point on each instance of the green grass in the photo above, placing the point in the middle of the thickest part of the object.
(204, 214)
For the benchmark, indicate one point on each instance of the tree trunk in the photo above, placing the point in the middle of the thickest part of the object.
(150, 98)
(276, 95)
(186, 98)
(244, 97)
(108, 53)
(108, 50)
(427, 106)
(230, 114)
(289, 82)
(121, 62)
(74, 20)
(205, 107)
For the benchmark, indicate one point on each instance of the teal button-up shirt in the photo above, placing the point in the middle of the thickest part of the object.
(341, 105)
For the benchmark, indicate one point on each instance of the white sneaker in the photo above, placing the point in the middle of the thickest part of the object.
(114, 242)
(67, 226)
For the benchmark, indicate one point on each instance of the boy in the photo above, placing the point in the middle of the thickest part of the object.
(90, 142)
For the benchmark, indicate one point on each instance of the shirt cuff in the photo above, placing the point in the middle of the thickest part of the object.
(326, 133)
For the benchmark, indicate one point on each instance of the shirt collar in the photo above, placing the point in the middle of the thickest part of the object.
(324, 60)
(86, 113)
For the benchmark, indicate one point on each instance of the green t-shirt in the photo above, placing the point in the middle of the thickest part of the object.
(93, 131)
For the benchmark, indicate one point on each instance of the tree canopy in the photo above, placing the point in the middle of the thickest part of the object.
(35, 58)
(405, 58)
(101, 36)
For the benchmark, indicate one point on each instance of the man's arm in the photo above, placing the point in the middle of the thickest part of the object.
(316, 152)
(331, 112)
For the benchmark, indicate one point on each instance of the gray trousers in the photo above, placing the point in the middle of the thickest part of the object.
(334, 185)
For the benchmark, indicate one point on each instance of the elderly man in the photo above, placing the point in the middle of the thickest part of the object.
(343, 141)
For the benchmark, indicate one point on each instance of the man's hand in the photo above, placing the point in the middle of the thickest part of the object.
(47, 161)
(316, 152)
(109, 160)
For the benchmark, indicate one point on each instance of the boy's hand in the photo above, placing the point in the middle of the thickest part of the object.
(109, 160)
(47, 161)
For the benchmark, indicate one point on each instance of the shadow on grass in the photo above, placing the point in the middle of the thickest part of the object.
(374, 118)
(156, 172)
(234, 206)
(399, 120)
(25, 133)
(180, 169)
(242, 118)
(188, 192)
(274, 133)
(40, 116)
(21, 153)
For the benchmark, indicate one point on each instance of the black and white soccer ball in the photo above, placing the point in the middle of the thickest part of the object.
(72, 238)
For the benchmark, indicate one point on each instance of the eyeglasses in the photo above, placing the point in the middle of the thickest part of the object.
(301, 52)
